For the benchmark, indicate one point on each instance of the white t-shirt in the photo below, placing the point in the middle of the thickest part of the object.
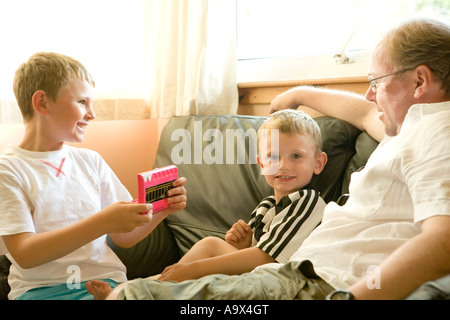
(405, 181)
(42, 191)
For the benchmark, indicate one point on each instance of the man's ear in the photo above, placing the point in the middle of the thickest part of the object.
(39, 101)
(423, 77)
(321, 161)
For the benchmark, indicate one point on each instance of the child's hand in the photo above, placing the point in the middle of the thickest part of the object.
(240, 235)
(122, 217)
(177, 196)
(179, 272)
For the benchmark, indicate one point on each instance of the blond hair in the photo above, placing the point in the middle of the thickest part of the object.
(420, 41)
(45, 71)
(292, 121)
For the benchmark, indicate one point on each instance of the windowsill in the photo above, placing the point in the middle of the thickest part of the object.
(301, 68)
(308, 82)
(260, 81)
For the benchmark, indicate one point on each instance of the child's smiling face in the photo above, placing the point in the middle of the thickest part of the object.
(292, 162)
(72, 110)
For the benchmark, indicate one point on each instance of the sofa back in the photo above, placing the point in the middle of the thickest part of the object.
(221, 193)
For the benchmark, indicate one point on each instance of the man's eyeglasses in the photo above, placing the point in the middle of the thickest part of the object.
(374, 82)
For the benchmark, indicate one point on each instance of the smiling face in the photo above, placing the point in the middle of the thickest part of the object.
(394, 94)
(71, 111)
(293, 160)
(59, 120)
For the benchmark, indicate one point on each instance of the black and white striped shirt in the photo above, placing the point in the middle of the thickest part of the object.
(279, 229)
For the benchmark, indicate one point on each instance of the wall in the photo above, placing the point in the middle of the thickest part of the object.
(255, 97)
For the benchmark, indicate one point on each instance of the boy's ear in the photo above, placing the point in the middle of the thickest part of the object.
(267, 169)
(321, 161)
(39, 101)
(259, 162)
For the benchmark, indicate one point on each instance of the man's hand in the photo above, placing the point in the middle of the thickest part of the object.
(286, 100)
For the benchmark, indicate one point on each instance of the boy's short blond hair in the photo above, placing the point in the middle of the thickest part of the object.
(293, 121)
(45, 71)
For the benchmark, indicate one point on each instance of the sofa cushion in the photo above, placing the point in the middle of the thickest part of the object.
(338, 139)
(151, 255)
(364, 146)
(218, 194)
(221, 193)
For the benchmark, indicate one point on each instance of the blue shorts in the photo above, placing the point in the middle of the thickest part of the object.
(62, 292)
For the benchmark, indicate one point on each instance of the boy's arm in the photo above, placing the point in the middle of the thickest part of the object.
(237, 262)
(30, 249)
(350, 107)
(177, 199)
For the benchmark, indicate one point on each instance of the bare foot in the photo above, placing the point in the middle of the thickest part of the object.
(99, 289)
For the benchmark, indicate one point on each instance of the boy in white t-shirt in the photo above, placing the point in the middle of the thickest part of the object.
(58, 202)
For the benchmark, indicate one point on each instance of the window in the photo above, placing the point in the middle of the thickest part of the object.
(279, 28)
(291, 28)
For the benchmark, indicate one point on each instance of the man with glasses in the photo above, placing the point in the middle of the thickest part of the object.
(393, 233)
(407, 179)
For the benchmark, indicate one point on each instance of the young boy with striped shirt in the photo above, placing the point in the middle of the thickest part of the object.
(280, 223)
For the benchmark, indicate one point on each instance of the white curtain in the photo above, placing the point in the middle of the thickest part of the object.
(191, 57)
(177, 56)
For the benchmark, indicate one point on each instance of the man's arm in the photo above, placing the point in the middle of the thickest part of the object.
(348, 106)
(423, 258)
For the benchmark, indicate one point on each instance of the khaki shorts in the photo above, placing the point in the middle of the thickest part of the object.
(294, 280)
